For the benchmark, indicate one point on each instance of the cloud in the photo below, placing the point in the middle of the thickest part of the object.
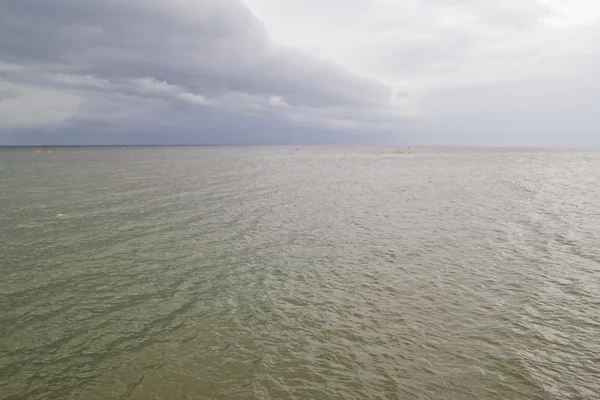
(154, 86)
(468, 71)
(259, 71)
(212, 56)
(24, 106)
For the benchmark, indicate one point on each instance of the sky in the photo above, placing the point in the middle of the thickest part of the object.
(398, 72)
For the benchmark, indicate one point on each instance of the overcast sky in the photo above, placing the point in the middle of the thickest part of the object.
(413, 72)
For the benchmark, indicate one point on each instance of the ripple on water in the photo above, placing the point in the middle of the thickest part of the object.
(276, 273)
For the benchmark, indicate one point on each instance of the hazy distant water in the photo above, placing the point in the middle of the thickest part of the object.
(310, 273)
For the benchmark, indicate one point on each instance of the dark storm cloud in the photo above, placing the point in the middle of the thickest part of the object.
(190, 55)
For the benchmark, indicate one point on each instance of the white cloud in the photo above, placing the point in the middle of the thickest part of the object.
(35, 107)
(278, 101)
(416, 40)
(573, 12)
(77, 80)
(437, 53)
(192, 98)
(155, 86)
(151, 85)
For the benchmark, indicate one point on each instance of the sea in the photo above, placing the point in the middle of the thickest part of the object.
(299, 273)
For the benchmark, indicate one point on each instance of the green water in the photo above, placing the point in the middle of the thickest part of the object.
(309, 273)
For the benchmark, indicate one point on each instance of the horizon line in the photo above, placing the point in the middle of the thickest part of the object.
(432, 146)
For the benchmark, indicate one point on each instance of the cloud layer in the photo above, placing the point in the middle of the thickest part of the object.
(353, 71)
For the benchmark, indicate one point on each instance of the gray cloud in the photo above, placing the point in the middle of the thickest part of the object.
(213, 71)
(175, 66)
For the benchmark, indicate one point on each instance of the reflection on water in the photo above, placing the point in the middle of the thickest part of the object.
(284, 273)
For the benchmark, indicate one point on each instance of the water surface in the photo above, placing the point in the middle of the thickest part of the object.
(299, 273)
